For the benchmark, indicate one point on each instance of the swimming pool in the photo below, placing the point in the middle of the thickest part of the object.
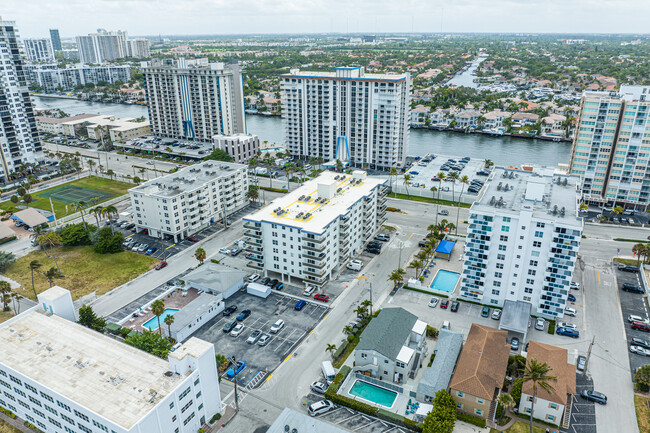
(152, 324)
(445, 281)
(373, 393)
(272, 149)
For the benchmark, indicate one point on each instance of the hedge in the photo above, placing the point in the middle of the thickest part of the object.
(392, 209)
(471, 419)
(9, 239)
(268, 188)
(399, 420)
(7, 412)
(425, 292)
(339, 351)
(338, 379)
(551, 327)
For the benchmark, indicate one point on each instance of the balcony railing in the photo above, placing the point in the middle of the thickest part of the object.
(314, 273)
(250, 225)
(318, 240)
(319, 265)
(313, 247)
(253, 234)
(256, 265)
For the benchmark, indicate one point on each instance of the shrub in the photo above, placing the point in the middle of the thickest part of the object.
(500, 411)
(76, 234)
(215, 417)
(551, 327)
(432, 332)
(7, 412)
(515, 392)
(471, 419)
(215, 261)
(393, 209)
(433, 356)
(340, 350)
(109, 242)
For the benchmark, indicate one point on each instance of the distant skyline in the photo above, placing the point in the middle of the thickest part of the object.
(201, 17)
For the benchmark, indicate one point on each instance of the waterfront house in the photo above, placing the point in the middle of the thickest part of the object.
(495, 118)
(419, 115)
(467, 119)
(523, 119)
(553, 124)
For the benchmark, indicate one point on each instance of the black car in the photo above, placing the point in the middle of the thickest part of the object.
(632, 288)
(373, 250)
(571, 298)
(229, 310)
(265, 281)
(244, 314)
(596, 396)
(229, 326)
(374, 244)
(640, 342)
(628, 268)
(454, 306)
(273, 283)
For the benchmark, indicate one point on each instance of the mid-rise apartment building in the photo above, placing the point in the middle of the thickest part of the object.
(523, 239)
(194, 100)
(19, 141)
(310, 233)
(56, 40)
(347, 115)
(182, 203)
(242, 147)
(611, 148)
(38, 50)
(64, 377)
(138, 48)
(50, 77)
(103, 46)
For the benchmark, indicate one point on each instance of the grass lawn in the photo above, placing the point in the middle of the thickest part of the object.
(85, 271)
(5, 427)
(642, 413)
(113, 187)
(521, 427)
(633, 262)
(5, 315)
(428, 200)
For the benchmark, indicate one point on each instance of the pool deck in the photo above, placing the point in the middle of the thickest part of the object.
(174, 299)
(453, 265)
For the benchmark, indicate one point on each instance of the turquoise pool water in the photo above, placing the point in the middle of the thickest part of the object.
(445, 281)
(272, 149)
(152, 324)
(373, 393)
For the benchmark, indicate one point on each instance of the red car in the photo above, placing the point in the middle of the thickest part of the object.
(444, 303)
(161, 265)
(641, 326)
(435, 179)
(193, 239)
(323, 298)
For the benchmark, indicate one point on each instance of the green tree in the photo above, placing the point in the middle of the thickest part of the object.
(618, 210)
(222, 362)
(464, 180)
(53, 274)
(339, 165)
(642, 378)
(158, 308)
(406, 180)
(169, 320)
(5, 294)
(506, 401)
(76, 234)
(150, 342)
(89, 319)
(6, 259)
(253, 193)
(638, 250)
(108, 242)
(34, 265)
(331, 348)
(50, 240)
(200, 255)
(417, 265)
(397, 277)
(442, 418)
(538, 375)
(219, 155)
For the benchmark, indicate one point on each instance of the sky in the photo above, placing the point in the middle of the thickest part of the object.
(200, 17)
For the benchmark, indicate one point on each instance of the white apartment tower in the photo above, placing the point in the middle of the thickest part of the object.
(19, 141)
(310, 233)
(138, 48)
(182, 203)
(39, 50)
(64, 377)
(194, 100)
(523, 239)
(103, 46)
(242, 147)
(347, 115)
(611, 148)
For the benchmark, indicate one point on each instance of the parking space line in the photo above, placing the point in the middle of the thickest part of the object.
(170, 246)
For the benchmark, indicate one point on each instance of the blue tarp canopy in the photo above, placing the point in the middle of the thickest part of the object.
(445, 247)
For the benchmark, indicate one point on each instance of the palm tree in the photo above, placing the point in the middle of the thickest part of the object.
(53, 274)
(200, 255)
(15, 298)
(34, 265)
(253, 194)
(538, 374)
(51, 240)
(361, 311)
(397, 277)
(288, 169)
(464, 180)
(638, 250)
(97, 212)
(5, 294)
(506, 401)
(331, 348)
(441, 176)
(392, 174)
(453, 176)
(348, 329)
(618, 210)
(158, 308)
(222, 362)
(584, 206)
(339, 165)
(417, 265)
(110, 173)
(91, 164)
(109, 212)
(79, 207)
(169, 320)
(406, 180)
(488, 163)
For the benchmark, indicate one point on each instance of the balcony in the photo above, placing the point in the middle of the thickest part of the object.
(320, 265)
(254, 226)
(253, 249)
(314, 247)
(255, 265)
(318, 240)
(254, 241)
(319, 257)
(253, 234)
(317, 274)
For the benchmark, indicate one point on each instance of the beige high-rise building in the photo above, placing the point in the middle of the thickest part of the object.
(611, 149)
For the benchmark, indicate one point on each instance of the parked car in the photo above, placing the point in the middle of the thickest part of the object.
(143, 247)
(574, 285)
(319, 387)
(225, 251)
(485, 312)
(235, 251)
(571, 298)
(641, 326)
(238, 329)
(640, 350)
(321, 297)
(582, 362)
(229, 310)
(309, 290)
(496, 314)
(373, 250)
(236, 369)
(640, 342)
(423, 243)
(264, 339)
(444, 303)
(254, 336)
(300, 305)
(628, 268)
(229, 326)
(273, 283)
(265, 281)
(540, 323)
(355, 265)
(454, 306)
(433, 302)
(443, 212)
(161, 265)
(253, 278)
(243, 315)
(632, 288)
(150, 251)
(382, 237)
(567, 325)
(279, 324)
(571, 312)
(192, 239)
(596, 396)
(567, 332)
(632, 318)
(320, 407)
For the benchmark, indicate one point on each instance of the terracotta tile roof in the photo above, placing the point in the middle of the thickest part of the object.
(556, 358)
(482, 364)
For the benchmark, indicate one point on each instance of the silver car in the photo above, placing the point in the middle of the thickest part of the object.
(255, 335)
(264, 339)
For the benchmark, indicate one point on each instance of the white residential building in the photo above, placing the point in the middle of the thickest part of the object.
(311, 232)
(102, 47)
(19, 141)
(241, 147)
(138, 48)
(39, 50)
(523, 239)
(61, 376)
(182, 203)
(347, 115)
(50, 77)
(194, 102)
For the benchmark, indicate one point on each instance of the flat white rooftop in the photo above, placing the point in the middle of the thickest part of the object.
(116, 381)
(347, 192)
(332, 75)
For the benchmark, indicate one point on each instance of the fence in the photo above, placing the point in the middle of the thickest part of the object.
(380, 383)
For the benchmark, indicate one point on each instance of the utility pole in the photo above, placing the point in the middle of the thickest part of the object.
(234, 366)
(401, 245)
(370, 289)
(593, 340)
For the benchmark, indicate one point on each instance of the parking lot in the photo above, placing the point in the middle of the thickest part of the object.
(583, 413)
(632, 304)
(430, 170)
(261, 360)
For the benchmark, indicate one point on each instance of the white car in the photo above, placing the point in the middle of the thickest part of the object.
(237, 330)
(224, 251)
(254, 278)
(640, 350)
(632, 318)
(255, 335)
(355, 265)
(309, 290)
(320, 407)
(567, 325)
(574, 285)
(433, 302)
(571, 312)
(264, 339)
(319, 387)
(277, 326)
(539, 324)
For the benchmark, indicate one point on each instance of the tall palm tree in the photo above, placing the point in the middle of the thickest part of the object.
(97, 212)
(169, 320)
(34, 265)
(51, 240)
(158, 308)
(464, 180)
(331, 348)
(417, 265)
(288, 169)
(407, 180)
(638, 250)
(79, 207)
(441, 176)
(339, 165)
(91, 164)
(109, 212)
(53, 274)
(200, 255)
(538, 374)
(5, 294)
(15, 299)
(397, 276)
(347, 329)
(453, 176)
(392, 174)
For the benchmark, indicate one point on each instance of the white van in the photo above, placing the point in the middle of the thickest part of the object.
(446, 325)
(328, 371)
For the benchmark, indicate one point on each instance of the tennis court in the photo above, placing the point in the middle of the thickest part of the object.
(74, 194)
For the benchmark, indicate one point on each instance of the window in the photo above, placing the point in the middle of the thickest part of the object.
(478, 412)
(539, 234)
(533, 263)
(460, 394)
(32, 389)
(63, 406)
(501, 256)
(15, 379)
(495, 292)
(502, 247)
(498, 275)
(499, 265)
(459, 406)
(553, 405)
(67, 419)
(187, 406)
(550, 417)
(188, 419)
(505, 228)
(81, 415)
(532, 271)
(51, 410)
(184, 393)
(479, 400)
(506, 219)
(36, 402)
(537, 244)
(503, 238)
(541, 225)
